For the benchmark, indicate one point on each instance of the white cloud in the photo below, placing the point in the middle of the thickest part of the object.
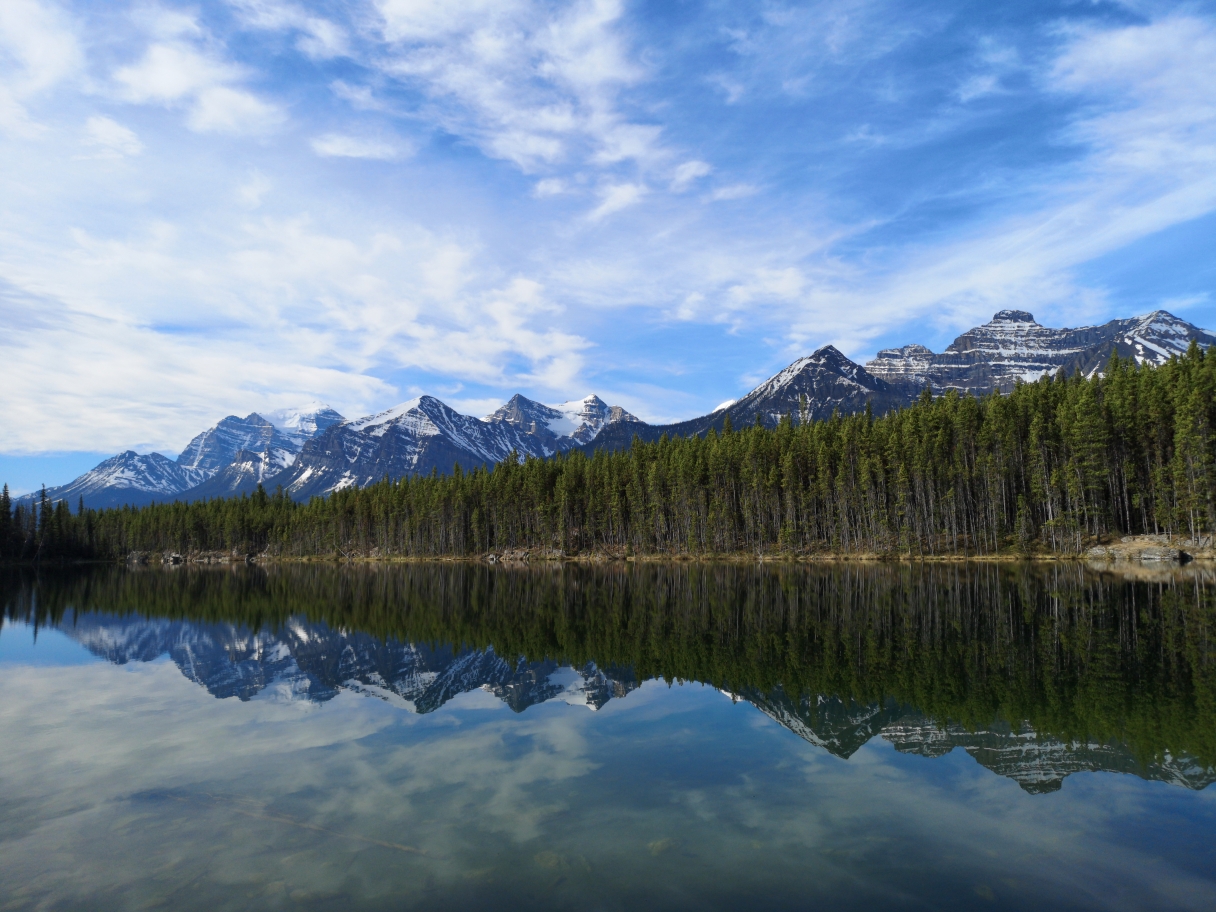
(360, 97)
(550, 186)
(978, 86)
(732, 192)
(319, 38)
(338, 145)
(221, 109)
(170, 72)
(176, 73)
(110, 138)
(158, 327)
(526, 85)
(253, 190)
(37, 51)
(616, 197)
(688, 172)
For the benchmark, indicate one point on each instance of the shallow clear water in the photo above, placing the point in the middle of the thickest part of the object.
(439, 736)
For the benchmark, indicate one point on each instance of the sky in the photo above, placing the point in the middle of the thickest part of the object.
(243, 205)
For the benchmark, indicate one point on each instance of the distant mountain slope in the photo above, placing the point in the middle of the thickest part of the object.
(560, 427)
(232, 457)
(425, 435)
(218, 446)
(413, 438)
(1013, 346)
(811, 389)
(305, 422)
(312, 450)
(241, 476)
(127, 478)
(246, 452)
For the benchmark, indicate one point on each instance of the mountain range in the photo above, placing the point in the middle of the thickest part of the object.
(313, 450)
(306, 661)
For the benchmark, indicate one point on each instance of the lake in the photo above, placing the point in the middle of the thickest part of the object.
(623, 736)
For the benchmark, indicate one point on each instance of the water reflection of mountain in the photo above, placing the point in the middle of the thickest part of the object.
(1037, 763)
(1097, 671)
(310, 661)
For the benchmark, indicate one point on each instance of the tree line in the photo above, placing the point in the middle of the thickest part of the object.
(1048, 467)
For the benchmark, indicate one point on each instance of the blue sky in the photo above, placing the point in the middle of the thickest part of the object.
(224, 207)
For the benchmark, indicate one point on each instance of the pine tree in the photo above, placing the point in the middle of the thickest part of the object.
(7, 538)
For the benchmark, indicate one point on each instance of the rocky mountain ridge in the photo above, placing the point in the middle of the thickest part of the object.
(1013, 347)
(314, 451)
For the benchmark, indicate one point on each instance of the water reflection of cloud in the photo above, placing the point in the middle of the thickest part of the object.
(128, 784)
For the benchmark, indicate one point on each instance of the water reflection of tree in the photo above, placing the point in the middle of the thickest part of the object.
(1078, 655)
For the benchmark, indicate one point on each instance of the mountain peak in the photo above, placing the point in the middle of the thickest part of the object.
(304, 421)
(826, 352)
(1014, 316)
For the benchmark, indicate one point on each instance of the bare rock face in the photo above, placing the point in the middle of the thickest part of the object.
(425, 435)
(1159, 549)
(560, 427)
(813, 388)
(216, 447)
(1013, 346)
(128, 478)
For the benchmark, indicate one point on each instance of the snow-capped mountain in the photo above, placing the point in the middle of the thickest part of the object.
(424, 434)
(826, 380)
(241, 476)
(127, 478)
(560, 427)
(305, 422)
(1013, 346)
(245, 452)
(232, 457)
(410, 439)
(811, 389)
(312, 450)
(217, 446)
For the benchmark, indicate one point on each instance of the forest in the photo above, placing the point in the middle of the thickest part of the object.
(1048, 468)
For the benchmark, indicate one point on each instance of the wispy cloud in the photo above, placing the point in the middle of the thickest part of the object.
(616, 197)
(527, 85)
(111, 139)
(37, 51)
(198, 208)
(338, 145)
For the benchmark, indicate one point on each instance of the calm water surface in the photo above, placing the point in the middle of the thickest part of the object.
(641, 737)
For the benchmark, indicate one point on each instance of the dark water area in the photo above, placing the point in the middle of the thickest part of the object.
(460, 736)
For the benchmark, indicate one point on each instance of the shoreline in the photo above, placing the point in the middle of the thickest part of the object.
(1149, 552)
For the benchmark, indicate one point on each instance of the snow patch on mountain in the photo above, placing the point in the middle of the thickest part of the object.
(304, 422)
(1013, 347)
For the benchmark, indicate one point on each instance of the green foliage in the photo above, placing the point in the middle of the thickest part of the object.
(1047, 466)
